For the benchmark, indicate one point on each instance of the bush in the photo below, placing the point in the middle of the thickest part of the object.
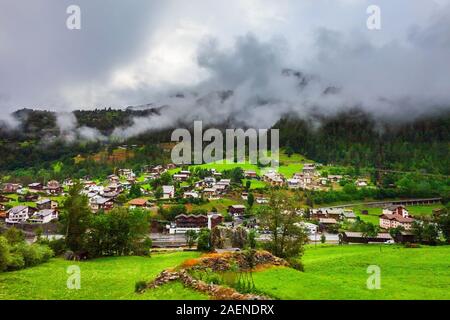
(33, 254)
(204, 240)
(4, 254)
(16, 262)
(58, 246)
(296, 264)
(140, 286)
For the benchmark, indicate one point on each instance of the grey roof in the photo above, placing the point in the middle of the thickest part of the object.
(16, 209)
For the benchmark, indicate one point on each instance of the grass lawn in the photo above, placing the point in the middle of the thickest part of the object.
(340, 272)
(105, 278)
(256, 184)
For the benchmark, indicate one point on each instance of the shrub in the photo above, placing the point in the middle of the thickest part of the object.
(140, 286)
(4, 254)
(33, 254)
(14, 236)
(296, 264)
(58, 246)
(16, 262)
(204, 240)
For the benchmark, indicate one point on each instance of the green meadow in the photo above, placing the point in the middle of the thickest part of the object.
(331, 272)
(340, 273)
(105, 278)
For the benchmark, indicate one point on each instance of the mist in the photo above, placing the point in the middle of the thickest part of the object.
(203, 62)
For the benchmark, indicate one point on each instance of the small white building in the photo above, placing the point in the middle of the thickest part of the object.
(44, 216)
(168, 192)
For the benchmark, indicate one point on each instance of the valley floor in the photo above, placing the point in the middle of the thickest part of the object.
(331, 272)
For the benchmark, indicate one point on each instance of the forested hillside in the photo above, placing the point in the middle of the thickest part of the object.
(354, 138)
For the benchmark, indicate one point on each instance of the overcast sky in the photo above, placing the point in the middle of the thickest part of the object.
(138, 51)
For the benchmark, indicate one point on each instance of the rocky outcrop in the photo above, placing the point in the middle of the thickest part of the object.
(213, 290)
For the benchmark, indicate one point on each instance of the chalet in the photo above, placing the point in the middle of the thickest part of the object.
(349, 215)
(127, 173)
(293, 183)
(138, 203)
(260, 200)
(335, 178)
(35, 187)
(273, 178)
(46, 204)
(180, 177)
(244, 195)
(11, 187)
(168, 192)
(309, 168)
(248, 174)
(30, 197)
(358, 237)
(211, 193)
(396, 209)
(236, 210)
(362, 183)
(53, 187)
(68, 183)
(333, 213)
(191, 195)
(390, 221)
(224, 182)
(113, 178)
(184, 222)
(114, 187)
(100, 203)
(43, 216)
(210, 181)
(18, 214)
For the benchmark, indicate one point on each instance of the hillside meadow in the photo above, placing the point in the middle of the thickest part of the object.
(331, 273)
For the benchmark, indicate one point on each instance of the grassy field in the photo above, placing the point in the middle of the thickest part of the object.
(106, 278)
(331, 272)
(340, 272)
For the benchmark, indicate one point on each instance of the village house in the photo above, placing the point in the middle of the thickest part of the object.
(53, 187)
(35, 187)
(390, 221)
(100, 203)
(11, 187)
(260, 200)
(44, 216)
(113, 178)
(335, 178)
(311, 228)
(293, 183)
(237, 210)
(138, 203)
(211, 193)
(126, 173)
(396, 209)
(275, 179)
(244, 196)
(333, 213)
(183, 222)
(30, 197)
(248, 174)
(68, 183)
(168, 192)
(180, 177)
(46, 204)
(309, 168)
(191, 195)
(18, 214)
(362, 183)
